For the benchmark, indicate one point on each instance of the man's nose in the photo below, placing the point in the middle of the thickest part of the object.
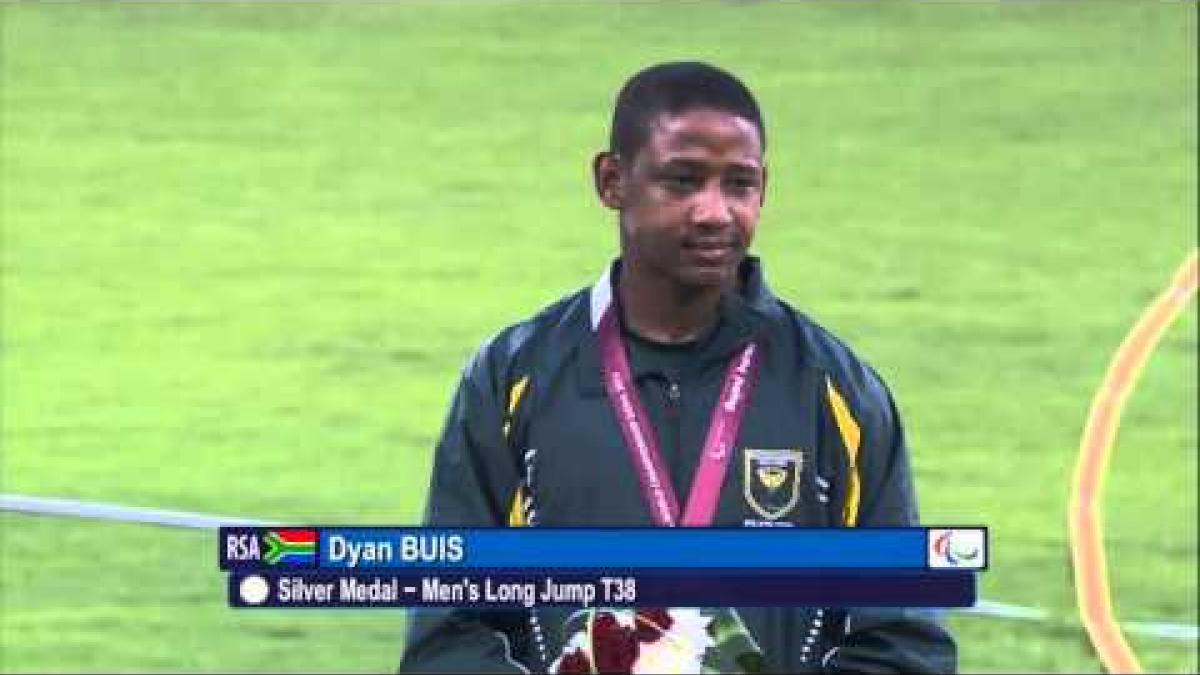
(712, 207)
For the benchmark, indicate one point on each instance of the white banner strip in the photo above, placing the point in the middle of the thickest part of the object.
(134, 514)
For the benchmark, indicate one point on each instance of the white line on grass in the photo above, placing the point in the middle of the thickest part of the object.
(128, 514)
(202, 521)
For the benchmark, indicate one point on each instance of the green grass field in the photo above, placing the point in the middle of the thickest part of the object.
(246, 250)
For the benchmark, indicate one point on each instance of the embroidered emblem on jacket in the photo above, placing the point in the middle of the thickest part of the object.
(771, 481)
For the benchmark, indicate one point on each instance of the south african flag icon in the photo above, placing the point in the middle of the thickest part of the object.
(291, 547)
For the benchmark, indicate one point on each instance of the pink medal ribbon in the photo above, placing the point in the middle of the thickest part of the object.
(642, 441)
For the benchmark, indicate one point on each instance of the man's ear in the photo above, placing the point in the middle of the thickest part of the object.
(606, 174)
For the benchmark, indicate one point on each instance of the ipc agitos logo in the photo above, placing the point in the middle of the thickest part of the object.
(962, 548)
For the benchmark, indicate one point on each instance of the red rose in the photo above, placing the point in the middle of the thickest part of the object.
(614, 646)
(575, 662)
(652, 623)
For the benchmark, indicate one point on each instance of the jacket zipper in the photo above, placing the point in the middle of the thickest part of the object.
(674, 395)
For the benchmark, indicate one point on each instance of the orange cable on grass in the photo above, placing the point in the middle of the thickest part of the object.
(1095, 448)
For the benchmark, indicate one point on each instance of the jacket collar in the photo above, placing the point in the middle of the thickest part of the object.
(743, 316)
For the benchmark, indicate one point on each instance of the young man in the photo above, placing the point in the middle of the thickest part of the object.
(536, 435)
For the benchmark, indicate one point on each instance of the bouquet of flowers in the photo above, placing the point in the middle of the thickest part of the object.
(708, 640)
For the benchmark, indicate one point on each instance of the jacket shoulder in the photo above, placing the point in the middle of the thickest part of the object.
(506, 355)
(853, 376)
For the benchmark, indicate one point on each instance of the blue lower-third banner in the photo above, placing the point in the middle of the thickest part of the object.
(407, 548)
(524, 589)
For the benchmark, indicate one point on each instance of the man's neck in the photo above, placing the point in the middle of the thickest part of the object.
(660, 310)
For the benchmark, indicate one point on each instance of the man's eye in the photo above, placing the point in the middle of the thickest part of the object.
(744, 183)
(681, 182)
(742, 186)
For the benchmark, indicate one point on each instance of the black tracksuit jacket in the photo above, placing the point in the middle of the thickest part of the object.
(537, 385)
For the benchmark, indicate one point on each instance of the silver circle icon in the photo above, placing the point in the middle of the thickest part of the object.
(254, 590)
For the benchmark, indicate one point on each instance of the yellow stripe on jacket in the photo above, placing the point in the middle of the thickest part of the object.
(516, 513)
(851, 438)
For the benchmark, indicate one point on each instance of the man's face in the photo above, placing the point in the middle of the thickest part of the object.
(690, 198)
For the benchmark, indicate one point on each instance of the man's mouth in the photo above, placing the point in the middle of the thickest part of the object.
(713, 252)
(711, 242)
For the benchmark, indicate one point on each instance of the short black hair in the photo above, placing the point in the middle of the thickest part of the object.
(674, 88)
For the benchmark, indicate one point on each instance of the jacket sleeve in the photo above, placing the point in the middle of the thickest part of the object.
(473, 478)
(886, 640)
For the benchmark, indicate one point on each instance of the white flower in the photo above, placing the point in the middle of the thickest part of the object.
(692, 625)
(680, 649)
(667, 656)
